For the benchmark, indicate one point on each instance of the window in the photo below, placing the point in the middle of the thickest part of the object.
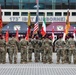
(74, 1)
(33, 1)
(7, 13)
(65, 14)
(73, 13)
(1, 1)
(33, 13)
(58, 13)
(49, 13)
(24, 13)
(15, 13)
(41, 14)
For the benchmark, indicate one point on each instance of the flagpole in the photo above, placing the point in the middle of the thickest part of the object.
(38, 11)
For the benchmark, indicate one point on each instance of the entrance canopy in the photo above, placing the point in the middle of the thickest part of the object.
(58, 27)
(13, 26)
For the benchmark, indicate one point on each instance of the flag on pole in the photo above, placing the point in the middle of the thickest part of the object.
(74, 34)
(28, 34)
(43, 30)
(64, 35)
(53, 39)
(17, 35)
(36, 26)
(29, 19)
(1, 25)
(67, 27)
(7, 36)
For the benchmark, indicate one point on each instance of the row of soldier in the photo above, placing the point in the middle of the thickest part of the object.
(44, 46)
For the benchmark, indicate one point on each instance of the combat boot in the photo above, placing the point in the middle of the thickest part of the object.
(69, 62)
(58, 62)
(15, 62)
(10, 61)
(62, 62)
(74, 61)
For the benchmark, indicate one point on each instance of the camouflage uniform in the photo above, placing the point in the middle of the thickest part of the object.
(13, 49)
(23, 50)
(72, 50)
(40, 46)
(2, 51)
(37, 51)
(51, 50)
(66, 51)
(42, 49)
(60, 50)
(47, 52)
(30, 49)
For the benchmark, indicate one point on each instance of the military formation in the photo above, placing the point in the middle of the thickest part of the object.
(41, 47)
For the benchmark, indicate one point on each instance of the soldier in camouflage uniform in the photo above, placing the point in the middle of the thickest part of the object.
(23, 50)
(36, 50)
(30, 50)
(42, 49)
(72, 49)
(2, 50)
(66, 50)
(51, 48)
(13, 49)
(47, 52)
(59, 45)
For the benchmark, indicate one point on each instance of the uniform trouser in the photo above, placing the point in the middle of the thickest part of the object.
(74, 56)
(30, 55)
(72, 52)
(66, 55)
(37, 55)
(13, 52)
(60, 55)
(23, 55)
(2, 56)
(42, 55)
(47, 56)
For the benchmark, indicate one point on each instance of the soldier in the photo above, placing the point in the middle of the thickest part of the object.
(13, 49)
(47, 52)
(72, 49)
(51, 49)
(59, 45)
(2, 50)
(30, 50)
(66, 49)
(37, 50)
(42, 49)
(23, 50)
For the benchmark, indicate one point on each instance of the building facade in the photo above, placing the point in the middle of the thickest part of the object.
(55, 10)
(44, 4)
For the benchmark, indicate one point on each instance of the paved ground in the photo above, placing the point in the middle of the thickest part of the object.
(37, 68)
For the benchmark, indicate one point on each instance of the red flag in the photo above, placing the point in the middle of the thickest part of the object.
(28, 33)
(1, 25)
(53, 35)
(17, 35)
(64, 34)
(7, 36)
(74, 34)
